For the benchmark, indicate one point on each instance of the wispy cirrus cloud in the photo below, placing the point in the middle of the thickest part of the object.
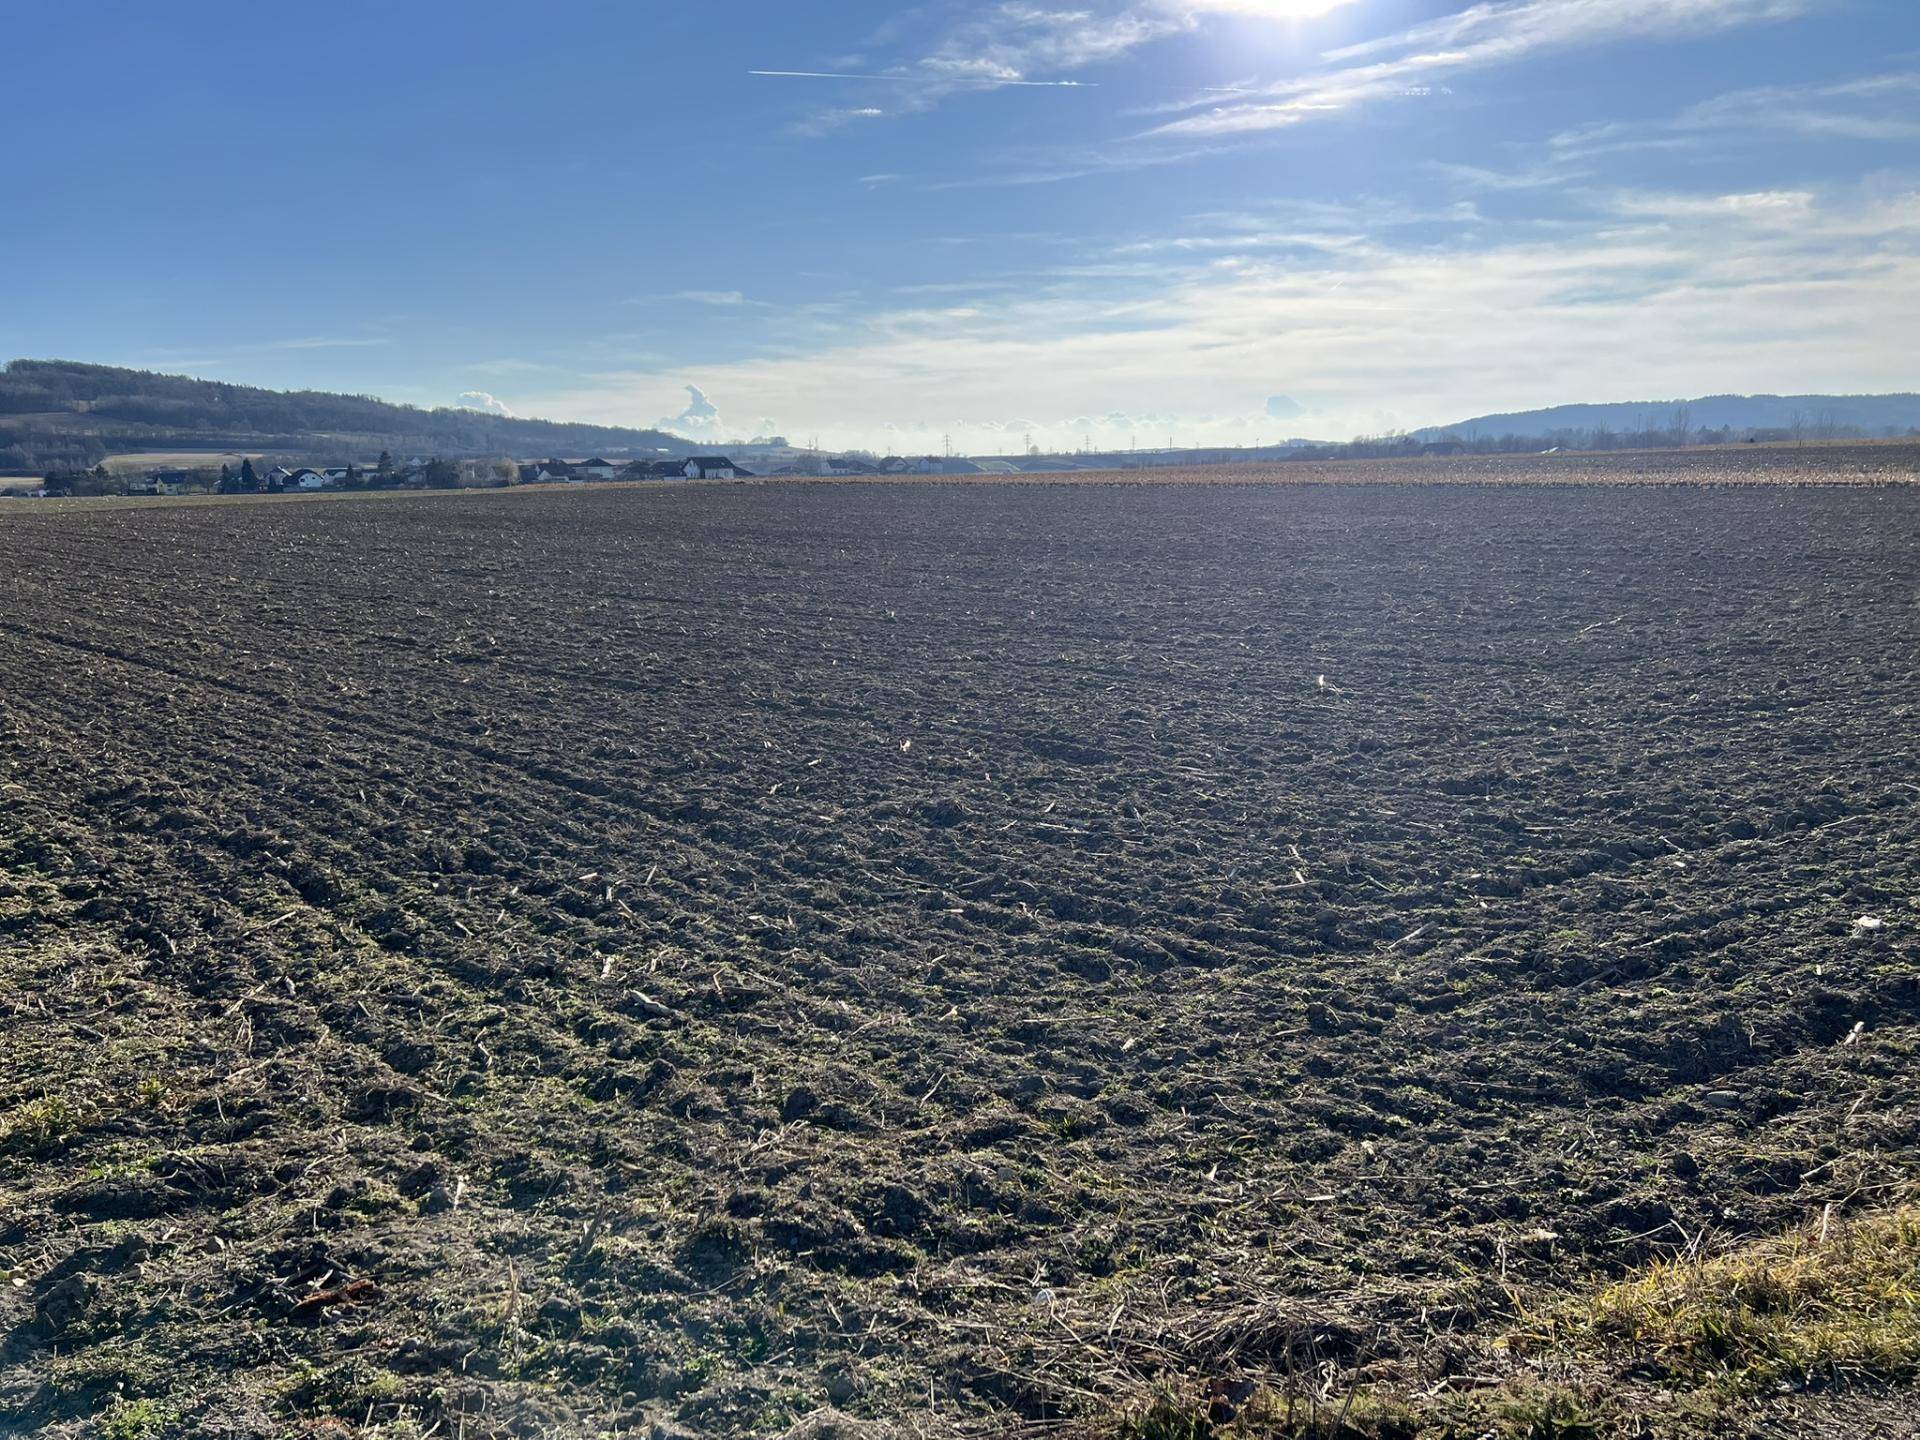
(719, 299)
(313, 342)
(1758, 207)
(1533, 24)
(725, 299)
(1481, 37)
(1020, 44)
(1870, 108)
(1009, 40)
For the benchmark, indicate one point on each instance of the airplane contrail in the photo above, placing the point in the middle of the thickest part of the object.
(983, 80)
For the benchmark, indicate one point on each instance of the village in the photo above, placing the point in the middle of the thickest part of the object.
(418, 473)
(436, 473)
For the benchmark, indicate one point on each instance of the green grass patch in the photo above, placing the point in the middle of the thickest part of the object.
(39, 1128)
(137, 1420)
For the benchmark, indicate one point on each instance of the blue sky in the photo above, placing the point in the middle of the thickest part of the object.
(1245, 219)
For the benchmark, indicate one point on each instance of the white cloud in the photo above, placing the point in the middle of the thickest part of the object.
(699, 421)
(481, 400)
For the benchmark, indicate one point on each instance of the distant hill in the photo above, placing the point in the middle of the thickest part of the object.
(1862, 415)
(58, 413)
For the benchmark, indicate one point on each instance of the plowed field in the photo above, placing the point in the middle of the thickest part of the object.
(672, 960)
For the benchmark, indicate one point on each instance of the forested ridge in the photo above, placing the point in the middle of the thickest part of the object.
(62, 413)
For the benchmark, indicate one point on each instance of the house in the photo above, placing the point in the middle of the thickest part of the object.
(281, 474)
(164, 482)
(710, 467)
(596, 469)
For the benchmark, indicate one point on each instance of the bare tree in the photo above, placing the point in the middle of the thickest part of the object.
(1797, 427)
(1682, 424)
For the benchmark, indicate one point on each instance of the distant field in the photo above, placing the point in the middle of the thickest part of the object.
(174, 460)
(1864, 463)
(669, 960)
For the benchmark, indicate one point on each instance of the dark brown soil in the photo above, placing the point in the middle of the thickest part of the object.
(680, 959)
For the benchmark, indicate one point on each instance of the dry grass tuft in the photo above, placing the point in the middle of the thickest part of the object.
(1696, 1339)
(1799, 1308)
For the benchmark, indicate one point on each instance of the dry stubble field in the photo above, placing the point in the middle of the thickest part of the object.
(677, 960)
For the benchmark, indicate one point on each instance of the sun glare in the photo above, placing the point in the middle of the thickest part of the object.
(1274, 9)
